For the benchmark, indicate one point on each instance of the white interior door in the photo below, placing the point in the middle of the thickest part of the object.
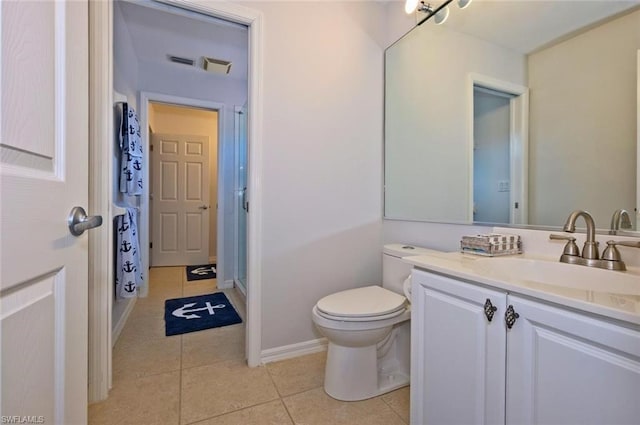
(43, 157)
(180, 200)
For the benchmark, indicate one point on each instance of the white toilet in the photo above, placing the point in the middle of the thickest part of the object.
(369, 331)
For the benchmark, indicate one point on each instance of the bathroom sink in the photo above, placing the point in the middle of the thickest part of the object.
(559, 274)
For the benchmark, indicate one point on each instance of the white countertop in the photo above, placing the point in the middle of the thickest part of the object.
(619, 306)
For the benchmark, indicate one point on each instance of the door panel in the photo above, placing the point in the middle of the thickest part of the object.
(181, 202)
(44, 173)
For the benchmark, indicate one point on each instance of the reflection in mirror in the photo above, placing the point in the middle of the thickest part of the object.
(515, 113)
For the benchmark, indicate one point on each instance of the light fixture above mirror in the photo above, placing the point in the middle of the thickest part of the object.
(440, 14)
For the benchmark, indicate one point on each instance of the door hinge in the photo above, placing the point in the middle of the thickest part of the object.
(517, 205)
(151, 148)
(150, 245)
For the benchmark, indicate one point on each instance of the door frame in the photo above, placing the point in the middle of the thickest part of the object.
(100, 179)
(518, 143)
(145, 233)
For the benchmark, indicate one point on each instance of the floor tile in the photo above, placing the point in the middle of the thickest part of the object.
(315, 407)
(299, 374)
(140, 328)
(398, 400)
(199, 287)
(149, 400)
(213, 345)
(223, 387)
(136, 359)
(272, 413)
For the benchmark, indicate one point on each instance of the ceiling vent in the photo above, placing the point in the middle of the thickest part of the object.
(216, 66)
(183, 61)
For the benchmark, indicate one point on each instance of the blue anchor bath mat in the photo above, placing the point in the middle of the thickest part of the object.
(191, 314)
(204, 271)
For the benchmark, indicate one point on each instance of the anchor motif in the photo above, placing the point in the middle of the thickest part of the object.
(130, 286)
(201, 271)
(124, 227)
(126, 246)
(128, 174)
(183, 311)
(137, 165)
(129, 267)
(140, 183)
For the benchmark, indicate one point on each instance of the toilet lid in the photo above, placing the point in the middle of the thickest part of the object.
(362, 302)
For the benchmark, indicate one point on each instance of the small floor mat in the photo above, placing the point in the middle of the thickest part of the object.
(191, 314)
(204, 271)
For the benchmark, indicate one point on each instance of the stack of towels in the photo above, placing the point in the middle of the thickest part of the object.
(492, 244)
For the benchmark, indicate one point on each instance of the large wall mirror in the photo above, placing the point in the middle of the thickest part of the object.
(515, 112)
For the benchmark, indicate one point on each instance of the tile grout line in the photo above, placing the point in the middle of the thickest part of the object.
(280, 396)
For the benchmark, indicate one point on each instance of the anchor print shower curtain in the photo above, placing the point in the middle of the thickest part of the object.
(128, 265)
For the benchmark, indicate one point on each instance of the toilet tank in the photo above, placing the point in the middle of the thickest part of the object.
(394, 270)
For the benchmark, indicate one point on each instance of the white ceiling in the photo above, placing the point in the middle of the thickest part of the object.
(527, 25)
(156, 33)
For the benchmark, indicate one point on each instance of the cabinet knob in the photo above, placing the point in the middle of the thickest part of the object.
(510, 316)
(489, 309)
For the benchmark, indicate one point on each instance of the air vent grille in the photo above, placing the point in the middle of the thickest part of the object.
(183, 61)
(216, 66)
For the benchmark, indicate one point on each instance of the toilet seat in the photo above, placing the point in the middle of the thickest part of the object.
(362, 304)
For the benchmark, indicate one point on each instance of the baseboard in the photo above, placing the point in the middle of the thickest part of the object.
(294, 350)
(213, 260)
(121, 310)
(227, 284)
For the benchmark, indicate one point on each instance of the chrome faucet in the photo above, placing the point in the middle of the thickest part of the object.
(611, 259)
(590, 249)
(620, 219)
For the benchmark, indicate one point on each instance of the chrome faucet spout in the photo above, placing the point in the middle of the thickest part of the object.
(620, 219)
(590, 250)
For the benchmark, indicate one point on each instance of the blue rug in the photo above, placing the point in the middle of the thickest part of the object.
(204, 271)
(191, 314)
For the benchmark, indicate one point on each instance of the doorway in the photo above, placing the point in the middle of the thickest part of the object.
(184, 184)
(103, 16)
(498, 143)
(491, 156)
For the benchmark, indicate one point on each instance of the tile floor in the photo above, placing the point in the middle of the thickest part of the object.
(202, 377)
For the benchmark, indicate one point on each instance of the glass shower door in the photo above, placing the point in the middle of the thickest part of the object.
(242, 205)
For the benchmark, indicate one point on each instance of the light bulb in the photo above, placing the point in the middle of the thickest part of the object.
(464, 3)
(410, 6)
(441, 16)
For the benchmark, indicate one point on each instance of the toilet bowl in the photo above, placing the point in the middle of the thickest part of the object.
(368, 330)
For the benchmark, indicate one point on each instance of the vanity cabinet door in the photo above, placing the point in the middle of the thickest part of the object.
(569, 368)
(457, 354)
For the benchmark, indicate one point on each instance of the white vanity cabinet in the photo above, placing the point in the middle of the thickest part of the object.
(457, 354)
(554, 366)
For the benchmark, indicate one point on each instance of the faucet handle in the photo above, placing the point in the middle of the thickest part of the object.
(611, 253)
(624, 243)
(570, 248)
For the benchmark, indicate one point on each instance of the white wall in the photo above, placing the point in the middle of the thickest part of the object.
(322, 158)
(575, 87)
(125, 69)
(170, 119)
